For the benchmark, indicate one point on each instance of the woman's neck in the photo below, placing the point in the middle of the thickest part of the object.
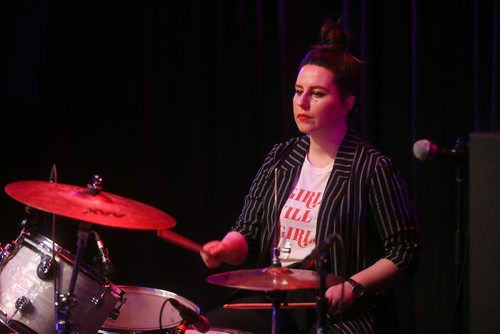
(324, 148)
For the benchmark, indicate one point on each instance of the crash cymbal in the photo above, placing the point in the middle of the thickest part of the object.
(272, 279)
(80, 203)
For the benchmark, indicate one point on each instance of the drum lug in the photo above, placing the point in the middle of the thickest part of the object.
(46, 268)
(66, 300)
(114, 314)
(96, 301)
(24, 305)
(5, 253)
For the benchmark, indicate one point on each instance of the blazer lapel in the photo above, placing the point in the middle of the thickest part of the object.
(336, 187)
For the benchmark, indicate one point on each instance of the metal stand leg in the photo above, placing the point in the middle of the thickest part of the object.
(277, 298)
(66, 302)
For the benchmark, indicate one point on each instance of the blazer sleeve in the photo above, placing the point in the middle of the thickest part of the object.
(250, 220)
(394, 215)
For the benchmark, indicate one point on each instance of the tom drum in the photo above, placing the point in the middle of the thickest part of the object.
(27, 291)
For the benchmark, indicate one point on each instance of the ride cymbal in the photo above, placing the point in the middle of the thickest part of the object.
(272, 279)
(83, 204)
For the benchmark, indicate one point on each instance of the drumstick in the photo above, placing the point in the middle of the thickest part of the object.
(176, 239)
(246, 306)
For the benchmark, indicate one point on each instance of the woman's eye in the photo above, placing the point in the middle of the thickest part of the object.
(318, 94)
(298, 92)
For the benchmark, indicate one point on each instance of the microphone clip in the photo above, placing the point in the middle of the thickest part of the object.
(106, 267)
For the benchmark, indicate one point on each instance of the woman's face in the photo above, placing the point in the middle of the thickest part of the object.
(318, 107)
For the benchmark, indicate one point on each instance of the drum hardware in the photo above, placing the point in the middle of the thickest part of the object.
(98, 301)
(189, 317)
(19, 278)
(34, 219)
(115, 313)
(4, 254)
(46, 268)
(181, 328)
(89, 205)
(66, 302)
(106, 267)
(24, 305)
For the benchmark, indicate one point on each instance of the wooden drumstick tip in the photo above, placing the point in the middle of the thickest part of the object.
(265, 306)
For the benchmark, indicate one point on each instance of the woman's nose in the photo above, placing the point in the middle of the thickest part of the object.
(303, 101)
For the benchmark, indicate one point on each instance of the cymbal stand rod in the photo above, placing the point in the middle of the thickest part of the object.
(53, 177)
(321, 302)
(276, 301)
(69, 300)
(275, 262)
(276, 306)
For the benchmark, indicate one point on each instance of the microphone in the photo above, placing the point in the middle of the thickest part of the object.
(200, 323)
(107, 266)
(424, 149)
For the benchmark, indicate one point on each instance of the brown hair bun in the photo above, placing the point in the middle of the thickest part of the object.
(333, 37)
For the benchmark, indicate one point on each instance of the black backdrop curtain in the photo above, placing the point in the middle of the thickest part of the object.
(176, 103)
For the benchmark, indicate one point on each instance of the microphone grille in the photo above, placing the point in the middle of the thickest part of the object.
(421, 149)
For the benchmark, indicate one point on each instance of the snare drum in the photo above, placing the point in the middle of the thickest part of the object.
(27, 288)
(141, 311)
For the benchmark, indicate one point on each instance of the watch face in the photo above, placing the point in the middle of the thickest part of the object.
(358, 290)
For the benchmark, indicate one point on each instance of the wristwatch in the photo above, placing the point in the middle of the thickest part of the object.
(357, 289)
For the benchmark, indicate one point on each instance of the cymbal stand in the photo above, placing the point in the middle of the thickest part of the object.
(276, 300)
(66, 302)
(321, 301)
(275, 262)
(320, 252)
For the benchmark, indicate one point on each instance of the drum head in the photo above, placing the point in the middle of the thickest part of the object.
(142, 308)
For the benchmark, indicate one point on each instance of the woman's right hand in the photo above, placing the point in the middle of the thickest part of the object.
(213, 253)
(233, 249)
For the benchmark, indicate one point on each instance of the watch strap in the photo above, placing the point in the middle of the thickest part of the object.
(357, 289)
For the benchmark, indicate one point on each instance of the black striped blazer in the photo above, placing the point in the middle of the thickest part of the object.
(365, 203)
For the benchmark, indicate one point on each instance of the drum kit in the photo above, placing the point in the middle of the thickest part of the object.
(45, 289)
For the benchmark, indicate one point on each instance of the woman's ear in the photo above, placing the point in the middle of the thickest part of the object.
(349, 103)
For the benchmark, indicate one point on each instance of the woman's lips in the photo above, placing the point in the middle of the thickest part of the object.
(303, 117)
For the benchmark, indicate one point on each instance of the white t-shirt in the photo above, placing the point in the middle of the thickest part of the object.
(298, 218)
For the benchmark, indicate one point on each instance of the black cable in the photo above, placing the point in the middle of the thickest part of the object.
(161, 312)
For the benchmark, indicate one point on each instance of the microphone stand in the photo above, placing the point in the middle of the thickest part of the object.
(460, 146)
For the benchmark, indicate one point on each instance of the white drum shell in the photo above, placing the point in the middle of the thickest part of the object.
(96, 297)
(141, 311)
